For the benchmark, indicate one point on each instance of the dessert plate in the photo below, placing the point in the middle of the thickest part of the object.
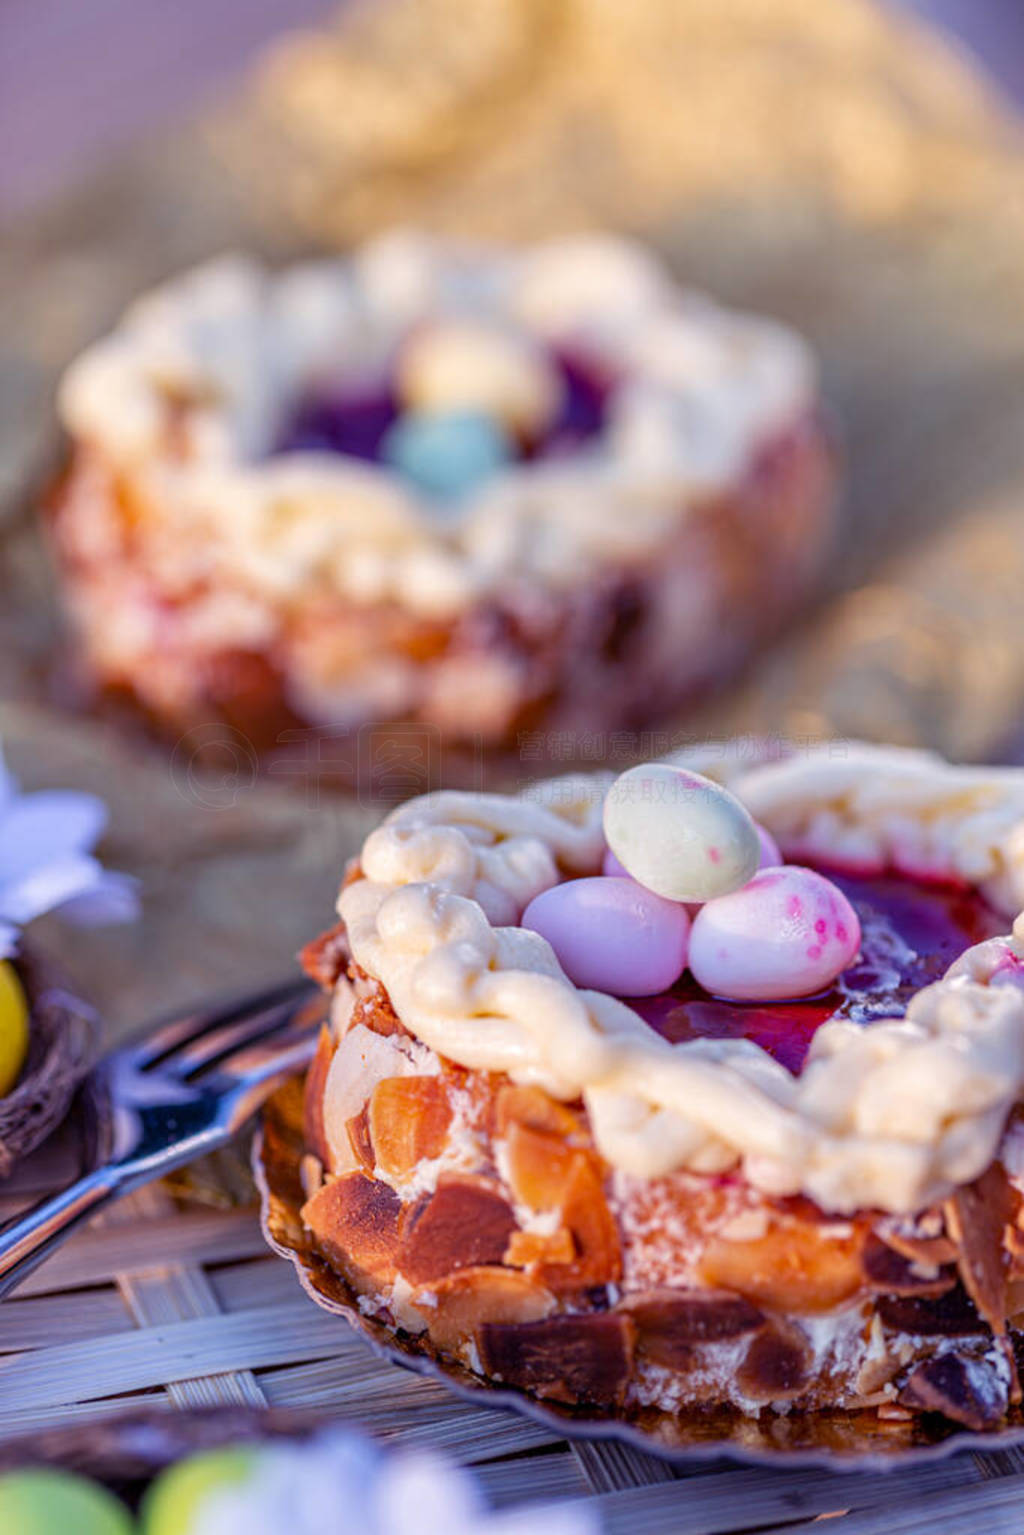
(839, 1441)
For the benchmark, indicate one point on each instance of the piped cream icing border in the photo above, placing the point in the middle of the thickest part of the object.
(893, 1116)
(222, 350)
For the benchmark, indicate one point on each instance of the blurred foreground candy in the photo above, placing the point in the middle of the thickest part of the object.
(680, 834)
(788, 933)
(13, 1029)
(446, 456)
(44, 1502)
(612, 935)
(176, 1500)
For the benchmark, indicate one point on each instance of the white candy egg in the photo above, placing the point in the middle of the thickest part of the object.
(680, 834)
(788, 933)
(463, 365)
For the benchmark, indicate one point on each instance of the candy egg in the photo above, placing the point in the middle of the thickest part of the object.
(13, 1027)
(771, 856)
(45, 1502)
(788, 933)
(611, 865)
(680, 834)
(174, 1502)
(447, 455)
(612, 935)
(467, 365)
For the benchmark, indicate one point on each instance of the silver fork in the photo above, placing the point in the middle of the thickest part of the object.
(173, 1096)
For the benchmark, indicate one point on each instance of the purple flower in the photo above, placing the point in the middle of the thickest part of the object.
(46, 861)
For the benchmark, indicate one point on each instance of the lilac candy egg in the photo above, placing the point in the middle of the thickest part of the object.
(613, 867)
(771, 856)
(789, 932)
(612, 935)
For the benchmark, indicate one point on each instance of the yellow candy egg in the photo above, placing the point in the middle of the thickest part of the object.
(13, 1028)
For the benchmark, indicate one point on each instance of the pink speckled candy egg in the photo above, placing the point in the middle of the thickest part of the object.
(613, 867)
(788, 933)
(771, 856)
(612, 935)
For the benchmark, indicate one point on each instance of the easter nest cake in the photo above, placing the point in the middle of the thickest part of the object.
(479, 491)
(620, 1109)
(59, 1042)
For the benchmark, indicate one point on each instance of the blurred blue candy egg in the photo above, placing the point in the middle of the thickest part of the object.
(448, 454)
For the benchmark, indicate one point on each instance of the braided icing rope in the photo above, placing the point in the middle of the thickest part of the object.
(891, 1116)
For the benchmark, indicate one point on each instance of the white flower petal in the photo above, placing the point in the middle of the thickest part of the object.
(543, 1519)
(36, 829)
(46, 888)
(8, 783)
(113, 899)
(421, 1494)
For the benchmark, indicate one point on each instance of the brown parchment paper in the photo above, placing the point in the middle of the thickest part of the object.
(824, 162)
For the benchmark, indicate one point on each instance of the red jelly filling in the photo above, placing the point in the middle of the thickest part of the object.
(911, 935)
(355, 421)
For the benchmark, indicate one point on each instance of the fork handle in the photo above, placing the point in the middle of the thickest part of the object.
(32, 1237)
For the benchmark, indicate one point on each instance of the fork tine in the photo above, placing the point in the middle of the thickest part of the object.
(179, 1032)
(268, 1060)
(218, 1044)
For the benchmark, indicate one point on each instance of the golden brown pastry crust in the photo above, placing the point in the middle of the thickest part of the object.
(538, 1266)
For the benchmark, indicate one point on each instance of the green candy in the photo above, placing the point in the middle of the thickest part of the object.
(172, 1504)
(54, 1503)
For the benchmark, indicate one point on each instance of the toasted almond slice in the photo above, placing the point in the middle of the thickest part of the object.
(939, 1316)
(775, 1366)
(798, 1266)
(465, 1223)
(325, 959)
(892, 1273)
(528, 1248)
(313, 1100)
(534, 1110)
(598, 1257)
(567, 1358)
(934, 1251)
(456, 1307)
(540, 1165)
(976, 1217)
(670, 1324)
(358, 1130)
(408, 1122)
(967, 1390)
(354, 1220)
(362, 1059)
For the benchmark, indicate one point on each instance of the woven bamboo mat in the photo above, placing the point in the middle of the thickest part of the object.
(167, 1304)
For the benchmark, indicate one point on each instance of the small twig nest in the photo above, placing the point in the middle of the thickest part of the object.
(62, 1038)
